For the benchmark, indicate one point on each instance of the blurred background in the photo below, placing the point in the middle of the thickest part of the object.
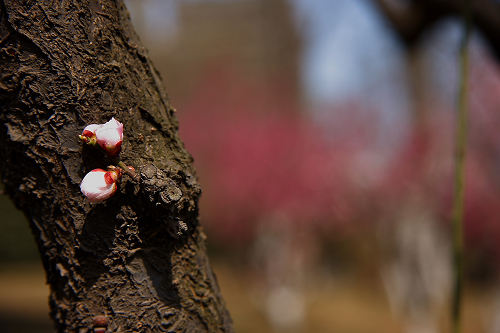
(323, 136)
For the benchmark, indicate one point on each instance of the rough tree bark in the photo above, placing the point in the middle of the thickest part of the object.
(138, 258)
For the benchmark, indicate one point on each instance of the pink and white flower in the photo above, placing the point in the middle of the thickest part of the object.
(109, 136)
(99, 185)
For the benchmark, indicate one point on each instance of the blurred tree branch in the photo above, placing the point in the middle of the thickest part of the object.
(412, 19)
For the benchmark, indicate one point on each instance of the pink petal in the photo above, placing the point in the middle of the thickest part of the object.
(90, 130)
(110, 136)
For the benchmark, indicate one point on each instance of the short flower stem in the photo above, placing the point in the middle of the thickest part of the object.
(127, 170)
(89, 141)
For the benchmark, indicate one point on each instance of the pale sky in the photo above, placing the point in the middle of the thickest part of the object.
(350, 53)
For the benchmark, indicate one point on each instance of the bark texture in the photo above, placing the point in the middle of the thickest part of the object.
(138, 258)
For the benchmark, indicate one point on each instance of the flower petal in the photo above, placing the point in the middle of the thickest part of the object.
(110, 136)
(90, 130)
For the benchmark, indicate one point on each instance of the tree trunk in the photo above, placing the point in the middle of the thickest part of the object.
(137, 261)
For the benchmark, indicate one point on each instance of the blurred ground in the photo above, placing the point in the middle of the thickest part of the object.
(349, 305)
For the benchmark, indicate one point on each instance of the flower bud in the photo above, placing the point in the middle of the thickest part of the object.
(110, 137)
(99, 185)
(88, 134)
